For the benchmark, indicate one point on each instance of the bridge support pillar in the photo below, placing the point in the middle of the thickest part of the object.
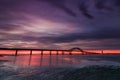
(30, 52)
(50, 52)
(102, 52)
(16, 52)
(70, 53)
(62, 52)
(42, 52)
(57, 52)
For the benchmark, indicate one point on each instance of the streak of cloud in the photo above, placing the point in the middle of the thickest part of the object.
(60, 23)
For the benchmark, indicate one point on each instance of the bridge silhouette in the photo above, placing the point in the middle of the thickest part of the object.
(58, 52)
(70, 51)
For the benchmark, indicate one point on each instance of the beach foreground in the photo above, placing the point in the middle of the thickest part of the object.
(61, 73)
(67, 67)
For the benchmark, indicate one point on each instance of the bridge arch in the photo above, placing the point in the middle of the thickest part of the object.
(76, 49)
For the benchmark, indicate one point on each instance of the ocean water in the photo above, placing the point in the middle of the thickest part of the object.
(60, 67)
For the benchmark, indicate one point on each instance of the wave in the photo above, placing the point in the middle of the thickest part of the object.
(95, 72)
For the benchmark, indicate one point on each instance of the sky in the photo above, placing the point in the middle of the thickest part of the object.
(60, 24)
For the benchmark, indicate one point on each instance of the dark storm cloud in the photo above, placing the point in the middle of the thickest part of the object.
(60, 4)
(117, 2)
(11, 27)
(83, 8)
(98, 34)
(103, 4)
(45, 22)
(100, 4)
(108, 33)
(8, 5)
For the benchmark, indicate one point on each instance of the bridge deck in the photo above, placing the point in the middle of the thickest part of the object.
(33, 49)
(50, 50)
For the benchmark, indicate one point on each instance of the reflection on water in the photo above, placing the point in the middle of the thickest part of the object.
(61, 60)
(41, 60)
(59, 67)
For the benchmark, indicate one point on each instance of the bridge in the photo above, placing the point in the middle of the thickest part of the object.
(70, 51)
(50, 52)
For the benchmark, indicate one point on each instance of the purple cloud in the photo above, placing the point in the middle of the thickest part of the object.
(71, 23)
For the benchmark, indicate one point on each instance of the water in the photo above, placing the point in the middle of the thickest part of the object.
(61, 60)
(60, 67)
